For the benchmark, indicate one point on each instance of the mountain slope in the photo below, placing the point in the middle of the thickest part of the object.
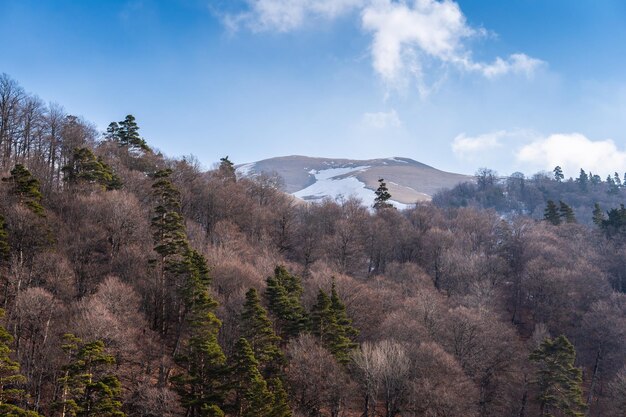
(309, 178)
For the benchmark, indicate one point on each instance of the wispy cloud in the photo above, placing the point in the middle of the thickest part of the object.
(288, 15)
(465, 147)
(407, 36)
(516, 64)
(486, 146)
(382, 120)
(573, 151)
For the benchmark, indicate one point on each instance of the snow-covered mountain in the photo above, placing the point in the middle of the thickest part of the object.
(309, 179)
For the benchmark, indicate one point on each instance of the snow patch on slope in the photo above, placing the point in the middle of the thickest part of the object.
(246, 169)
(337, 184)
(330, 173)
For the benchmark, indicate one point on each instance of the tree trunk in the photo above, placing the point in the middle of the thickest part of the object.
(594, 379)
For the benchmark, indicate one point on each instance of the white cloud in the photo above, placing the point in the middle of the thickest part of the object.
(382, 120)
(516, 64)
(401, 32)
(479, 147)
(573, 151)
(408, 35)
(287, 15)
(465, 147)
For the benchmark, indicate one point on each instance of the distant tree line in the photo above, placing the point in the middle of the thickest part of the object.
(519, 195)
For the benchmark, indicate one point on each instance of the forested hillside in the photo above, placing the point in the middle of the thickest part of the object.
(588, 195)
(135, 284)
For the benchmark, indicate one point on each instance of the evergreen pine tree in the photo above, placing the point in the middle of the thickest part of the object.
(594, 179)
(558, 174)
(84, 167)
(114, 182)
(10, 379)
(253, 398)
(558, 380)
(382, 196)
(280, 406)
(582, 180)
(183, 285)
(615, 223)
(113, 131)
(201, 356)
(617, 180)
(339, 310)
(551, 213)
(332, 335)
(598, 215)
(170, 240)
(612, 187)
(323, 321)
(227, 170)
(566, 213)
(168, 226)
(257, 329)
(128, 134)
(26, 188)
(89, 387)
(283, 293)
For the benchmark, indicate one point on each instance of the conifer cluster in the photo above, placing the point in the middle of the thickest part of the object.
(126, 134)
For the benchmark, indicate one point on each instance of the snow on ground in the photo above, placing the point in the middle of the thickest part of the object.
(400, 206)
(328, 185)
(336, 188)
(245, 169)
(326, 174)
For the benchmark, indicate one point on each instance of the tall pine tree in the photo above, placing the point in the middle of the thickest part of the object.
(598, 215)
(566, 213)
(382, 196)
(252, 396)
(11, 395)
(325, 325)
(558, 380)
(85, 168)
(226, 170)
(112, 132)
(582, 180)
(89, 386)
(201, 357)
(171, 246)
(283, 293)
(613, 188)
(615, 223)
(25, 188)
(339, 309)
(127, 134)
(551, 213)
(257, 329)
(280, 406)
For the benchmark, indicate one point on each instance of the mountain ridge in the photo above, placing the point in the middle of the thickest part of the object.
(315, 178)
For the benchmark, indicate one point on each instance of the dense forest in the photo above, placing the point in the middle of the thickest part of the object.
(133, 284)
(588, 195)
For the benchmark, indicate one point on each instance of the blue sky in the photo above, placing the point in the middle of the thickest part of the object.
(518, 85)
